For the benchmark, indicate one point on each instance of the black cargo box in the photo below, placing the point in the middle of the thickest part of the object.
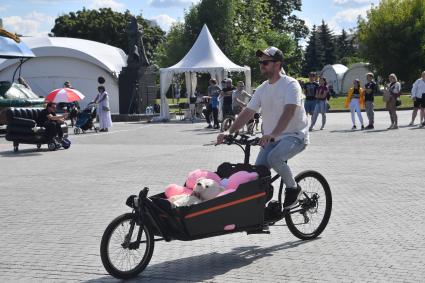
(240, 210)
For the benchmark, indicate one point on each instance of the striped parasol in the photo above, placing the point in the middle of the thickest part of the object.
(64, 95)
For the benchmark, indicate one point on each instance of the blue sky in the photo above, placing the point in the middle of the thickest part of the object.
(36, 17)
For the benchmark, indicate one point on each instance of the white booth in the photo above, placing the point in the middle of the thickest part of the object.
(204, 57)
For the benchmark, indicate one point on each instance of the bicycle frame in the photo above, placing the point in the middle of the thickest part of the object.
(247, 155)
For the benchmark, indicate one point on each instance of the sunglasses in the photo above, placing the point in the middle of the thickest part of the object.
(266, 62)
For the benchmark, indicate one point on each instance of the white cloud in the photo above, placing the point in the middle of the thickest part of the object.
(32, 24)
(54, 2)
(113, 4)
(3, 8)
(164, 21)
(171, 3)
(346, 17)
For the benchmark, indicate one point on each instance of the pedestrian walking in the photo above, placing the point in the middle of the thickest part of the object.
(240, 98)
(393, 90)
(103, 109)
(371, 89)
(310, 89)
(212, 106)
(418, 97)
(355, 101)
(227, 98)
(321, 104)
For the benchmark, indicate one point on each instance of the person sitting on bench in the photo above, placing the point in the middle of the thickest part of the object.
(51, 121)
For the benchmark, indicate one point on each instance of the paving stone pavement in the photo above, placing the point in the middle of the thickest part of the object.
(54, 207)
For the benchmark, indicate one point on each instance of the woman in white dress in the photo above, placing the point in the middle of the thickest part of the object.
(103, 109)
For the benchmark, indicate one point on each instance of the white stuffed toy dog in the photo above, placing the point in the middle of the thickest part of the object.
(206, 189)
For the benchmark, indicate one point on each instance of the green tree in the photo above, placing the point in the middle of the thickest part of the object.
(392, 38)
(283, 20)
(174, 47)
(347, 51)
(327, 45)
(239, 27)
(106, 26)
(343, 46)
(313, 53)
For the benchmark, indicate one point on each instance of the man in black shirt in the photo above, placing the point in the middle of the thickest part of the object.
(371, 90)
(310, 89)
(51, 121)
(227, 98)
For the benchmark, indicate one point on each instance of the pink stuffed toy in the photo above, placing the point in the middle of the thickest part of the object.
(174, 190)
(197, 174)
(240, 177)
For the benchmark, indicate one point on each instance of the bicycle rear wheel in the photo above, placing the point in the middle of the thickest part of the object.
(309, 218)
(123, 256)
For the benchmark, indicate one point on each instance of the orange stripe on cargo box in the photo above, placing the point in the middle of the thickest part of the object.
(224, 205)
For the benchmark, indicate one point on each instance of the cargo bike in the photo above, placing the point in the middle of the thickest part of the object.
(128, 241)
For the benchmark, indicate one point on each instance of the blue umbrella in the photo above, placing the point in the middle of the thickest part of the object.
(10, 49)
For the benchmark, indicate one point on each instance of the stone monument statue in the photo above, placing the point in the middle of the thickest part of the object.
(137, 81)
(137, 54)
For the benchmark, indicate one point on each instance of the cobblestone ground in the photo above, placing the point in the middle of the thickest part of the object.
(54, 207)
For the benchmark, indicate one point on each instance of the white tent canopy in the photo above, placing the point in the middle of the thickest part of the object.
(204, 57)
(356, 71)
(334, 74)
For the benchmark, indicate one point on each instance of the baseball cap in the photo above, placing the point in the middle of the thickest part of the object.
(271, 51)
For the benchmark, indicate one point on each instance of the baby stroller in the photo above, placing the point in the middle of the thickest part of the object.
(85, 119)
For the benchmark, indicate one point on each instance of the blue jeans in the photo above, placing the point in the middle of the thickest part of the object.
(274, 155)
(319, 108)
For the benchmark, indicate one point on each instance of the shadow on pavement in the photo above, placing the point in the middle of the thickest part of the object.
(22, 152)
(376, 131)
(203, 267)
(174, 122)
(344, 131)
(417, 128)
(203, 131)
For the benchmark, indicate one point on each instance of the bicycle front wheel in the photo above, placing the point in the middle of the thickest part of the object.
(122, 254)
(227, 122)
(309, 218)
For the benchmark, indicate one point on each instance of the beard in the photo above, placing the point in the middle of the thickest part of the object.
(266, 73)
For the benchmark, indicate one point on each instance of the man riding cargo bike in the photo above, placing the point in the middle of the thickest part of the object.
(128, 241)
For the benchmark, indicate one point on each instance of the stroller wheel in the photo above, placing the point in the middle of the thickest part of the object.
(96, 129)
(66, 143)
(76, 131)
(51, 146)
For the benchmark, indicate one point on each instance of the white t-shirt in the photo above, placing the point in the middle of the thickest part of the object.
(418, 88)
(272, 98)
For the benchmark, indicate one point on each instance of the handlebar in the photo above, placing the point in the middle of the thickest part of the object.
(242, 140)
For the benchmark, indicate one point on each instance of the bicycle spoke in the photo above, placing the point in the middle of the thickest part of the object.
(312, 206)
(124, 258)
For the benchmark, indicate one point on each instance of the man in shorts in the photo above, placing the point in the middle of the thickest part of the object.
(418, 97)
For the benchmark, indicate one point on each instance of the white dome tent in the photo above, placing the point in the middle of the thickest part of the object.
(204, 57)
(60, 59)
(356, 71)
(333, 75)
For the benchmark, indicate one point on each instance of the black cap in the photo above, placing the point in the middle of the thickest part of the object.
(271, 51)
